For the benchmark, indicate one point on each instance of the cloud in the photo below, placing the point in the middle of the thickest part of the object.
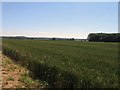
(47, 34)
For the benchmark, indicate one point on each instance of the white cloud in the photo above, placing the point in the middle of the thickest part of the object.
(47, 34)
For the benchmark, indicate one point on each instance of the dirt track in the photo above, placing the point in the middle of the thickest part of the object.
(16, 76)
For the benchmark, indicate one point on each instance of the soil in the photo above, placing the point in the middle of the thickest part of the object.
(16, 76)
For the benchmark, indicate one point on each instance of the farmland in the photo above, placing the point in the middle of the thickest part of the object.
(67, 63)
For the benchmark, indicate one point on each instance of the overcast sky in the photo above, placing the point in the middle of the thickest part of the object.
(60, 19)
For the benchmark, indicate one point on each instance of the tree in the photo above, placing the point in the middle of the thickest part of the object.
(104, 37)
(53, 38)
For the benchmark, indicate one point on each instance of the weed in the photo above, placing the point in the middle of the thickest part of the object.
(10, 78)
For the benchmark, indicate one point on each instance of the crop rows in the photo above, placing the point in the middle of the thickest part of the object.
(68, 64)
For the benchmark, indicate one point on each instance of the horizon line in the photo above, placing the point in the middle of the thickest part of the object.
(38, 36)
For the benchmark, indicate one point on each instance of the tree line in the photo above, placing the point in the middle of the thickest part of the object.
(104, 37)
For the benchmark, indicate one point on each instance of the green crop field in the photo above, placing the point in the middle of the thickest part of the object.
(67, 63)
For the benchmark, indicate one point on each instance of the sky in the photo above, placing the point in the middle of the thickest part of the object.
(59, 19)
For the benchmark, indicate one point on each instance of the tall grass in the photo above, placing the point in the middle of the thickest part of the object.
(68, 64)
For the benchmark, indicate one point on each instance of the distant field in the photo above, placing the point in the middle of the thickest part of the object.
(67, 63)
